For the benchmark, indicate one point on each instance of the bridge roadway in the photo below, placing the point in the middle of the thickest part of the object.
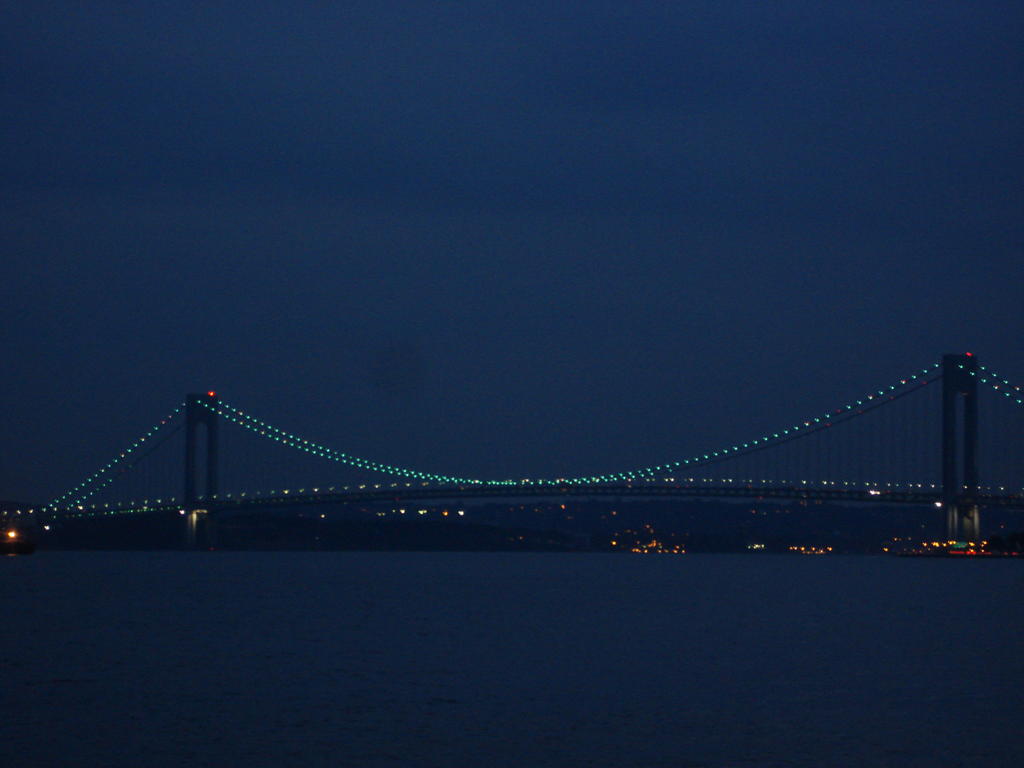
(406, 494)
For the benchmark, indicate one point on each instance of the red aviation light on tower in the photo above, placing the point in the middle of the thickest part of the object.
(211, 393)
(969, 354)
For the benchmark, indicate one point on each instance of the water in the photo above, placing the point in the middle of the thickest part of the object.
(446, 659)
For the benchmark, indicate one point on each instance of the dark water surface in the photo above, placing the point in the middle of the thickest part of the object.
(446, 659)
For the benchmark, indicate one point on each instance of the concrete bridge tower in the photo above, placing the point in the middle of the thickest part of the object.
(960, 481)
(200, 410)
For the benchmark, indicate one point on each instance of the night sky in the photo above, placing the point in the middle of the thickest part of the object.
(497, 239)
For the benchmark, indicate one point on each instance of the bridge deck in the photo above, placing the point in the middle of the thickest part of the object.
(441, 493)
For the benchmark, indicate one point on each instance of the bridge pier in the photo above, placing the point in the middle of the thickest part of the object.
(199, 528)
(963, 522)
(960, 483)
(970, 523)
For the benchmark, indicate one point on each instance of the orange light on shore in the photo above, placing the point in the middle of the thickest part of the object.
(12, 534)
(211, 393)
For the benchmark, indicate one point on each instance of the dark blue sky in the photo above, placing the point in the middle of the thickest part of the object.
(497, 239)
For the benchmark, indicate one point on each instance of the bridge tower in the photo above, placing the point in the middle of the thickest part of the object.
(199, 410)
(960, 482)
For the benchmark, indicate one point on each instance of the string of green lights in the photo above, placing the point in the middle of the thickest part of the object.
(104, 476)
(265, 429)
(271, 432)
(1000, 385)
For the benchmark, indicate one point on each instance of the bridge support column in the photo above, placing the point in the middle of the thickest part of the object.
(199, 411)
(960, 483)
(970, 523)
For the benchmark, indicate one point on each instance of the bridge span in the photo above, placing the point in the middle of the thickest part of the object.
(954, 489)
(415, 493)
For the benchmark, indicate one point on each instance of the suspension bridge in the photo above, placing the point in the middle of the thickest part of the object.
(917, 440)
